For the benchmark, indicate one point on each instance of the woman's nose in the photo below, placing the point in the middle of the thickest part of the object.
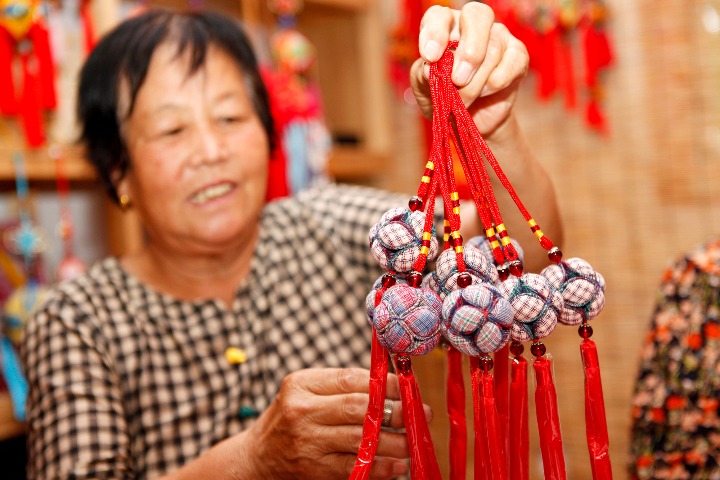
(210, 146)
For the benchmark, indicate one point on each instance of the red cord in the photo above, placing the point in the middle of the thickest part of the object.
(520, 444)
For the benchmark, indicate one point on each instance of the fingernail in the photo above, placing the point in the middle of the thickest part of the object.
(399, 468)
(432, 50)
(428, 412)
(462, 74)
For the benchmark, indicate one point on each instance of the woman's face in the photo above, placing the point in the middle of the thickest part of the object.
(198, 154)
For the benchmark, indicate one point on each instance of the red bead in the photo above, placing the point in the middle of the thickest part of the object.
(538, 349)
(414, 279)
(555, 255)
(516, 268)
(403, 364)
(503, 272)
(388, 280)
(464, 280)
(486, 363)
(456, 241)
(585, 331)
(516, 348)
(415, 203)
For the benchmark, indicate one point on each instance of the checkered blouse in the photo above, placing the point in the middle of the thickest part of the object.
(128, 382)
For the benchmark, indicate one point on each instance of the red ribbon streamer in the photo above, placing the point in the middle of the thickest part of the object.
(548, 420)
(8, 102)
(520, 444)
(423, 462)
(40, 38)
(30, 106)
(595, 421)
(455, 398)
(373, 417)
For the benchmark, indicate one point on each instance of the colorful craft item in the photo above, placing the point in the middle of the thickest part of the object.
(482, 299)
(24, 38)
(296, 105)
(70, 265)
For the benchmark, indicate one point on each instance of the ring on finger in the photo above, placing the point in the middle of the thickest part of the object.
(387, 412)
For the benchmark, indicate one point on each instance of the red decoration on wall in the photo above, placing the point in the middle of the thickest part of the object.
(24, 41)
(552, 31)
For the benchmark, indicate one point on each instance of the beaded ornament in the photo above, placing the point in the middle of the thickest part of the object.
(477, 301)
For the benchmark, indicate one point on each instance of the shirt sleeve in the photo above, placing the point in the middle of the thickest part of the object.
(75, 419)
(347, 213)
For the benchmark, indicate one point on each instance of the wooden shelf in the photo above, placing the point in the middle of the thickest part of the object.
(351, 163)
(40, 167)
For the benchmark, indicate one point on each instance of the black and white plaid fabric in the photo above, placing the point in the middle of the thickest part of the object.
(126, 382)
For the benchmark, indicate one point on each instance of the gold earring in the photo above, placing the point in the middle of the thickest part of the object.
(124, 201)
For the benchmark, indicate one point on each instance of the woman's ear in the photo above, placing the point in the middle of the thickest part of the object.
(122, 188)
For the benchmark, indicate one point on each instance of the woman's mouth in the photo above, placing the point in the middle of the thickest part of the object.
(210, 193)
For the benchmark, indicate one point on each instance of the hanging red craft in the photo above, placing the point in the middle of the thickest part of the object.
(477, 301)
(24, 37)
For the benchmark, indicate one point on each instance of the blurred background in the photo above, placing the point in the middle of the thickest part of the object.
(637, 180)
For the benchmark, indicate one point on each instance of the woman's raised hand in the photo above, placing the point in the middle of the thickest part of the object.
(489, 62)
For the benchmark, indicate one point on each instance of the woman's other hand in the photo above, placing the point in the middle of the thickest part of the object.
(489, 62)
(314, 427)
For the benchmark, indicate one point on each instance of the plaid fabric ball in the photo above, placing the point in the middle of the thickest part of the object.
(477, 319)
(536, 303)
(444, 279)
(370, 299)
(407, 320)
(395, 240)
(581, 287)
(481, 242)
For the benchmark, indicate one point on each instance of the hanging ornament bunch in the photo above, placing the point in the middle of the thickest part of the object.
(296, 103)
(24, 37)
(478, 300)
(552, 30)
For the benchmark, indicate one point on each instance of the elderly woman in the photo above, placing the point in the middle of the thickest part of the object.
(222, 348)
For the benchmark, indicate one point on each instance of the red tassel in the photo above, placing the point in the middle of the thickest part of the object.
(482, 456)
(566, 71)
(548, 421)
(373, 417)
(30, 112)
(8, 102)
(595, 421)
(40, 39)
(547, 62)
(423, 462)
(595, 117)
(520, 444)
(455, 398)
(502, 392)
(489, 446)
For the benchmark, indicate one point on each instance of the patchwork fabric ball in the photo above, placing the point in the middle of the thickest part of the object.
(477, 319)
(407, 320)
(483, 244)
(536, 303)
(444, 279)
(370, 299)
(395, 240)
(581, 287)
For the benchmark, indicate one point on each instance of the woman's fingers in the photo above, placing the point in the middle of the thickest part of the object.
(475, 24)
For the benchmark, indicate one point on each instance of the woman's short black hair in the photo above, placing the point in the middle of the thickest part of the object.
(123, 56)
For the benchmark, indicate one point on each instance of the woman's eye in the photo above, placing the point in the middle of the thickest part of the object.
(170, 132)
(229, 119)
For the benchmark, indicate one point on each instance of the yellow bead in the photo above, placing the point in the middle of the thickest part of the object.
(539, 234)
(425, 179)
(427, 236)
(429, 165)
(454, 196)
(424, 250)
(505, 241)
(490, 232)
(235, 355)
(459, 249)
(500, 228)
(456, 210)
(532, 222)
(456, 234)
